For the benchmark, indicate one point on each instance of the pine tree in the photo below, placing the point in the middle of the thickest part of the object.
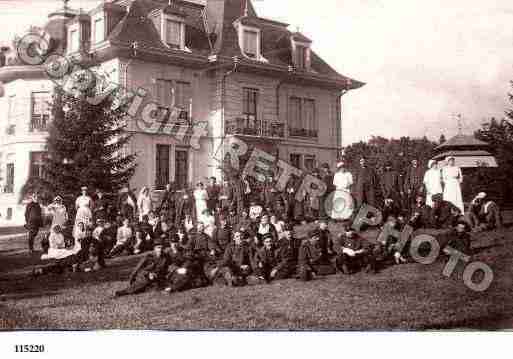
(85, 148)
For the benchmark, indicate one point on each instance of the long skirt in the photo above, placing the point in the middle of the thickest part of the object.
(452, 193)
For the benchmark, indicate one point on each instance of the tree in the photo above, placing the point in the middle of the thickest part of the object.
(442, 139)
(85, 147)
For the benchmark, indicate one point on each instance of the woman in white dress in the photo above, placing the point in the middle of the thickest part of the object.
(59, 213)
(83, 206)
(452, 178)
(201, 197)
(57, 247)
(342, 204)
(432, 182)
(144, 205)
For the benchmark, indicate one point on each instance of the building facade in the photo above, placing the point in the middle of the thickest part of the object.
(217, 62)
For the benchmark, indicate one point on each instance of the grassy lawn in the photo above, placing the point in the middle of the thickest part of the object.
(406, 297)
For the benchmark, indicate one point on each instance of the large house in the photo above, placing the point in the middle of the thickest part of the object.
(215, 60)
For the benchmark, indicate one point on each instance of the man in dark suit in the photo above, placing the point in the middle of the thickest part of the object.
(327, 178)
(33, 220)
(365, 185)
(213, 191)
(413, 183)
(100, 206)
(167, 206)
(152, 269)
(390, 183)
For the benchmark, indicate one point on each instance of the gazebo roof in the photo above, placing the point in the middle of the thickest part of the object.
(462, 141)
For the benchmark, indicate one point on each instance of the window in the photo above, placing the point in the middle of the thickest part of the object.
(250, 42)
(174, 33)
(162, 168)
(182, 168)
(295, 160)
(172, 93)
(309, 162)
(40, 111)
(249, 103)
(37, 161)
(302, 120)
(74, 44)
(301, 57)
(9, 182)
(99, 30)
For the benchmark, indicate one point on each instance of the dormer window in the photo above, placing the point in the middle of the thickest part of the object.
(79, 34)
(301, 52)
(170, 23)
(174, 34)
(250, 42)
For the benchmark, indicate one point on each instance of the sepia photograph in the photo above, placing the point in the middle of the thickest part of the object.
(255, 166)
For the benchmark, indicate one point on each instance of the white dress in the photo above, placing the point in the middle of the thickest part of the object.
(84, 214)
(57, 250)
(433, 183)
(59, 215)
(144, 205)
(342, 204)
(201, 197)
(453, 178)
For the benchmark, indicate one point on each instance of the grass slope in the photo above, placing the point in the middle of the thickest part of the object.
(407, 297)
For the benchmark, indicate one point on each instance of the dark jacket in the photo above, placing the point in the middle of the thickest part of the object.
(441, 216)
(308, 255)
(200, 245)
(390, 184)
(365, 179)
(151, 264)
(265, 257)
(222, 236)
(237, 255)
(33, 215)
(413, 179)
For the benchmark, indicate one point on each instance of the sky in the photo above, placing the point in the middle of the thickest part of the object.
(423, 61)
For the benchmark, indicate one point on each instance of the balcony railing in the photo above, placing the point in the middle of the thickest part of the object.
(249, 127)
(39, 123)
(302, 132)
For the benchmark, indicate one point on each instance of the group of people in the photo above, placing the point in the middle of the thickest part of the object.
(235, 234)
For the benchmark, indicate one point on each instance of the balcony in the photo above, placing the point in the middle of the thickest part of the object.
(302, 132)
(250, 127)
(39, 123)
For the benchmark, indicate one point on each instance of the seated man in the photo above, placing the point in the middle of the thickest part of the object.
(388, 238)
(484, 214)
(390, 208)
(441, 214)
(124, 239)
(152, 269)
(459, 239)
(255, 211)
(266, 260)
(420, 215)
(287, 254)
(236, 264)
(354, 254)
(309, 256)
(325, 241)
(223, 234)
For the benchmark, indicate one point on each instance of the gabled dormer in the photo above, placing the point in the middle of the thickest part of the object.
(170, 23)
(79, 34)
(103, 20)
(250, 38)
(301, 53)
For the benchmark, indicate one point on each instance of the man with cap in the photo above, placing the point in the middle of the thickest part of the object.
(151, 269)
(365, 185)
(354, 253)
(287, 254)
(308, 257)
(390, 183)
(237, 262)
(266, 260)
(33, 220)
(413, 182)
(484, 214)
(327, 178)
(442, 213)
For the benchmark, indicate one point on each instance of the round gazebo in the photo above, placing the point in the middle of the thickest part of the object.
(478, 164)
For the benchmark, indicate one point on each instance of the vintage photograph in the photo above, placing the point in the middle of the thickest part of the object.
(256, 165)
